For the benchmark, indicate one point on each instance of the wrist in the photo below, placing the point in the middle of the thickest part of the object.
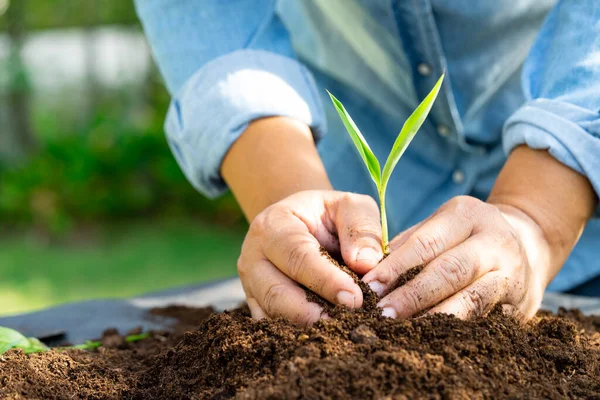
(544, 198)
(537, 248)
(273, 159)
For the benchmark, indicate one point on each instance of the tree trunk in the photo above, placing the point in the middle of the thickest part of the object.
(19, 98)
(93, 88)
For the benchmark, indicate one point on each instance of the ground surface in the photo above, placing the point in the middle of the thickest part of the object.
(118, 261)
(355, 354)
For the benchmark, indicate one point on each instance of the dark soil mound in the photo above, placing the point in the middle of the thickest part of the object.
(355, 354)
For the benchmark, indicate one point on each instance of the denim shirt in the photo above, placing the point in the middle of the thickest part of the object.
(518, 72)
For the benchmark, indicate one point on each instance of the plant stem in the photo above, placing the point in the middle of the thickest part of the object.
(384, 228)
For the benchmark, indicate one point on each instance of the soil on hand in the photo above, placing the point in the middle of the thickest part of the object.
(354, 354)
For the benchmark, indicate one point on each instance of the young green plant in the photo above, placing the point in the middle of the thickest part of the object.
(94, 344)
(406, 135)
(11, 339)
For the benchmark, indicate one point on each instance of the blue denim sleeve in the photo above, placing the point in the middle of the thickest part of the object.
(225, 64)
(561, 80)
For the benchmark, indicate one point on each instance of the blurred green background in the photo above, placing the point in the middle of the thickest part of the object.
(92, 203)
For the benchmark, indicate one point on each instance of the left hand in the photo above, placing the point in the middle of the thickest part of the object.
(475, 255)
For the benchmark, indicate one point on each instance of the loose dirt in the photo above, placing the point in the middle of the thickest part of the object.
(354, 354)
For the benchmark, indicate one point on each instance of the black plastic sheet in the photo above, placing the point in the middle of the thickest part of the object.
(78, 322)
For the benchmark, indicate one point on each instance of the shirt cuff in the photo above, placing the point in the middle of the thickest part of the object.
(218, 102)
(571, 135)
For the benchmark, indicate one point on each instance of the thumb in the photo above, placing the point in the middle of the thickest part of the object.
(359, 230)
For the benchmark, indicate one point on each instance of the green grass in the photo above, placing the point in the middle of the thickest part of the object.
(119, 261)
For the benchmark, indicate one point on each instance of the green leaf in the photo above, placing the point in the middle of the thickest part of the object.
(11, 339)
(93, 345)
(33, 346)
(408, 132)
(138, 337)
(359, 141)
(88, 345)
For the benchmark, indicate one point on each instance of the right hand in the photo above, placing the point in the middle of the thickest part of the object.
(281, 253)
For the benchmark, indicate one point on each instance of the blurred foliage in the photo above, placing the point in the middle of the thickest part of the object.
(102, 160)
(50, 14)
(85, 167)
(116, 260)
(111, 172)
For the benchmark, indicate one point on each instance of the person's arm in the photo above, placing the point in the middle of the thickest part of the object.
(536, 190)
(477, 254)
(245, 110)
(507, 249)
(561, 83)
(274, 158)
(278, 179)
(225, 64)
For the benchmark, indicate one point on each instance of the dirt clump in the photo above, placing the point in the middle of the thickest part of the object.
(354, 354)
(110, 372)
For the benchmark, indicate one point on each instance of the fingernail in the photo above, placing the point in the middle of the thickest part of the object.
(377, 287)
(389, 312)
(346, 298)
(368, 254)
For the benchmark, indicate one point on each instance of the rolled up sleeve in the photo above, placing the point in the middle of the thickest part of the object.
(561, 81)
(225, 64)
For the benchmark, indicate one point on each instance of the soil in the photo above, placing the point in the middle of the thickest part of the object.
(353, 354)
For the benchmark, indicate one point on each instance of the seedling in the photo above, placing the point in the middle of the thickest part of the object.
(93, 344)
(406, 135)
(11, 339)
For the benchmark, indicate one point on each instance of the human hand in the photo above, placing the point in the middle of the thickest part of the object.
(475, 255)
(281, 252)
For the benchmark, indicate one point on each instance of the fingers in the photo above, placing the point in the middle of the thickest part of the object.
(295, 252)
(476, 299)
(271, 293)
(437, 235)
(447, 274)
(255, 309)
(359, 229)
(402, 237)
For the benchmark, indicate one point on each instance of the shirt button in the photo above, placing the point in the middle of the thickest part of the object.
(424, 69)
(458, 177)
(443, 130)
